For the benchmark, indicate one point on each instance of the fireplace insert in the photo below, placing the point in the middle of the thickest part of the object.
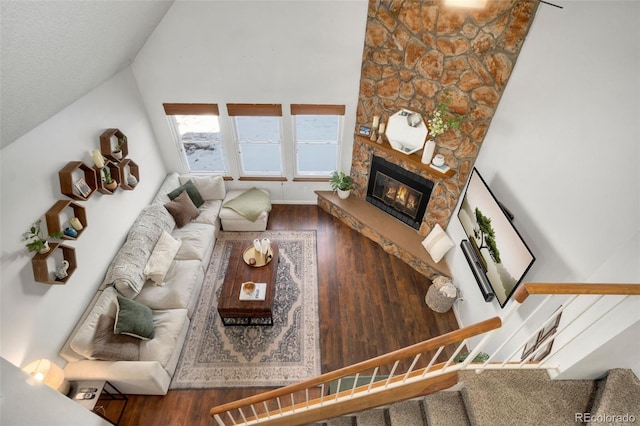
(398, 192)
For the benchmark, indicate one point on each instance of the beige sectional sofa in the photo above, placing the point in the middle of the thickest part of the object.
(171, 299)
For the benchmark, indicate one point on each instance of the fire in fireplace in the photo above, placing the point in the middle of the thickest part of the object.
(398, 192)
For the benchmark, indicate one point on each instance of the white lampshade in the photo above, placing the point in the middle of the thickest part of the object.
(48, 373)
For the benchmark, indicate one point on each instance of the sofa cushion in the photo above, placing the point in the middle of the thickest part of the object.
(82, 341)
(168, 326)
(161, 258)
(183, 279)
(190, 188)
(209, 187)
(196, 240)
(133, 319)
(209, 212)
(250, 204)
(109, 346)
(182, 209)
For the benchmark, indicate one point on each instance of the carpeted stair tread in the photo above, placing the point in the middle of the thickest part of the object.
(342, 421)
(445, 409)
(618, 394)
(407, 413)
(373, 417)
(526, 397)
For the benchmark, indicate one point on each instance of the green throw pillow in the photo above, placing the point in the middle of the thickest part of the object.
(191, 189)
(133, 319)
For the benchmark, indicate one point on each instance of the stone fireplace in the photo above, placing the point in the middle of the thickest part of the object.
(398, 192)
(416, 55)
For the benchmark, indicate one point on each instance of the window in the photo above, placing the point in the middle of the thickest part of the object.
(258, 134)
(317, 135)
(197, 132)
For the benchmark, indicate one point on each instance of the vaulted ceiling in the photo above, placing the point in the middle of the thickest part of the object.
(54, 52)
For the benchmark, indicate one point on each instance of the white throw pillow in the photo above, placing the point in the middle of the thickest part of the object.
(209, 187)
(161, 258)
(437, 243)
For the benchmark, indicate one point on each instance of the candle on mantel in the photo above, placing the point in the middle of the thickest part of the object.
(376, 121)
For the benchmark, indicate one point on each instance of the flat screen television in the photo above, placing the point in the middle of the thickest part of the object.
(497, 254)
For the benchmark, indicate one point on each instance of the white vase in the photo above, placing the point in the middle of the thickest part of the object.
(427, 151)
(343, 194)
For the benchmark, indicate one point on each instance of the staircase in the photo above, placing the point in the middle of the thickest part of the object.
(512, 397)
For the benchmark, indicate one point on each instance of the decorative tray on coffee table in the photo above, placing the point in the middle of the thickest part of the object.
(252, 258)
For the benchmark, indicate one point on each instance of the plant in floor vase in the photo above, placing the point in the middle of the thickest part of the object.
(341, 183)
(35, 242)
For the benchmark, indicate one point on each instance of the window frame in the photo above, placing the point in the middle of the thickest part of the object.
(257, 110)
(173, 109)
(316, 109)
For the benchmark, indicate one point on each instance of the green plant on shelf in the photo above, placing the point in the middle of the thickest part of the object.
(35, 242)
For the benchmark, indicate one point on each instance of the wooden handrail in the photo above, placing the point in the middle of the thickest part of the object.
(400, 354)
(526, 289)
(363, 402)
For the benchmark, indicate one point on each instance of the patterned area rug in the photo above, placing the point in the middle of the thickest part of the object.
(215, 356)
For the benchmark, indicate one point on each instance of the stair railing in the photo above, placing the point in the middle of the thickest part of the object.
(416, 370)
(429, 366)
(578, 299)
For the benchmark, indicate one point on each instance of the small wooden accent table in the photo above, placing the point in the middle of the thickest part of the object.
(234, 311)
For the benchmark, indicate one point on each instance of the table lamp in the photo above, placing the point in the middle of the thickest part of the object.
(48, 373)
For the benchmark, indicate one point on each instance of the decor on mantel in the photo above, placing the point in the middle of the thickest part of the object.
(341, 183)
(441, 120)
(35, 242)
(406, 131)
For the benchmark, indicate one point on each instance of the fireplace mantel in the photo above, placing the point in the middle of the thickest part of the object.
(414, 159)
(392, 235)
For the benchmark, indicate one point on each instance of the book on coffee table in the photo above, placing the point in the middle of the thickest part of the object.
(258, 294)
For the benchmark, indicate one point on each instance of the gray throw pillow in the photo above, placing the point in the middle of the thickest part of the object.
(191, 189)
(108, 346)
(182, 209)
(134, 319)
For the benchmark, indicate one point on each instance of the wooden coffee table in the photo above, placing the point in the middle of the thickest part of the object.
(234, 311)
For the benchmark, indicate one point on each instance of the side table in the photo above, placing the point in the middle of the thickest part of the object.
(92, 394)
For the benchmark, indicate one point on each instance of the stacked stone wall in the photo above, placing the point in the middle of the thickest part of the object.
(416, 54)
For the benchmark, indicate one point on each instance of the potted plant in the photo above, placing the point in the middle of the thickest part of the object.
(117, 152)
(34, 239)
(109, 183)
(341, 183)
(98, 160)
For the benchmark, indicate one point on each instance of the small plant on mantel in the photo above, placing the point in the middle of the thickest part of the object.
(34, 239)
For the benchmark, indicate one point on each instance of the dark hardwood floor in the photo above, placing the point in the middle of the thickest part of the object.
(370, 303)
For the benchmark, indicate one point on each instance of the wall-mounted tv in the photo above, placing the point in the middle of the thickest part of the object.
(497, 254)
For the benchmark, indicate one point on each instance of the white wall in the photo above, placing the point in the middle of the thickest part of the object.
(255, 52)
(26, 402)
(562, 152)
(37, 318)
